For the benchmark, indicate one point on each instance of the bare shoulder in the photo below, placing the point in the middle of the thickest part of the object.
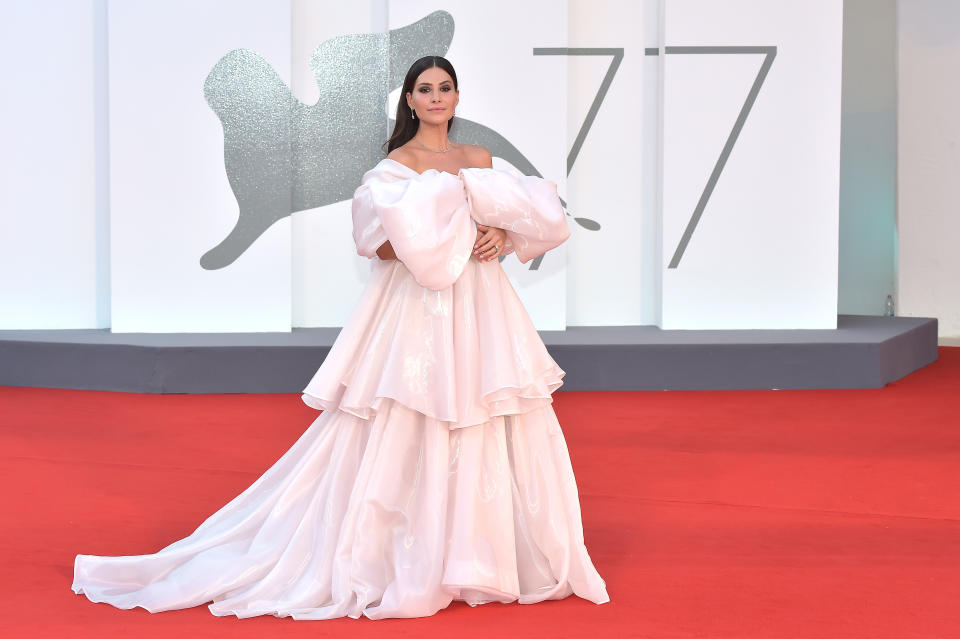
(479, 156)
(404, 156)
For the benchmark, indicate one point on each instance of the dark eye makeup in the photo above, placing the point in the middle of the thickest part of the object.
(445, 88)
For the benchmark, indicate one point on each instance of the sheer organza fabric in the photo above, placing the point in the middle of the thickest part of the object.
(437, 469)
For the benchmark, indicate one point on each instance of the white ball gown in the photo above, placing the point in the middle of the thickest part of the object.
(437, 470)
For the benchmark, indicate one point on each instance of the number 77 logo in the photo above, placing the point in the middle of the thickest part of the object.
(770, 53)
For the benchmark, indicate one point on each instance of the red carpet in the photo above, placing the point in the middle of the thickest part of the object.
(812, 514)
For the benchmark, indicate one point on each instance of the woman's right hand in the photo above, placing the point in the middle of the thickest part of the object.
(489, 237)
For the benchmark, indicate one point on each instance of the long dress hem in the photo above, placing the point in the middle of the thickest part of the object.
(436, 471)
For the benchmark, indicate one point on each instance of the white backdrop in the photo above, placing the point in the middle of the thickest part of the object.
(54, 238)
(764, 254)
(328, 275)
(606, 268)
(169, 196)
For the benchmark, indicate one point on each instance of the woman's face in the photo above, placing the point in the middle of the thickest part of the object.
(433, 97)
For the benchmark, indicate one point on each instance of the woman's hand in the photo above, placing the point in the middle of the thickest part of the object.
(489, 237)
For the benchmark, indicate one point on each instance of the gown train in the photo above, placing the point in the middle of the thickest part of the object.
(437, 470)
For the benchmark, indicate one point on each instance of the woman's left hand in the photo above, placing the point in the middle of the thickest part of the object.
(489, 244)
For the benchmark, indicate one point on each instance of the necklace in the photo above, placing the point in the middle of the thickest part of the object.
(434, 150)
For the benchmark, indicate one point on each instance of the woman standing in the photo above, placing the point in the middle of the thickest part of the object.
(437, 469)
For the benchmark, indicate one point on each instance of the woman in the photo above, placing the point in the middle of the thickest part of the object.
(437, 469)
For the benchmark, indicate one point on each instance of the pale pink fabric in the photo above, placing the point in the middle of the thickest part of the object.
(437, 470)
(437, 331)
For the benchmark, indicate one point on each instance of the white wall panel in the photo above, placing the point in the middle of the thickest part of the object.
(605, 267)
(170, 198)
(328, 275)
(764, 254)
(521, 96)
(53, 251)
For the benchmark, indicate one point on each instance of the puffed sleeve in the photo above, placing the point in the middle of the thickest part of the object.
(425, 218)
(526, 207)
(368, 233)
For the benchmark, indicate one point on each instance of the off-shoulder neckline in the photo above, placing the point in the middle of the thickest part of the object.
(428, 170)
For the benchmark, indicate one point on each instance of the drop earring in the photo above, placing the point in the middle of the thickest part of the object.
(412, 116)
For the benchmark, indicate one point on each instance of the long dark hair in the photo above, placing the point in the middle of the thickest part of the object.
(406, 127)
